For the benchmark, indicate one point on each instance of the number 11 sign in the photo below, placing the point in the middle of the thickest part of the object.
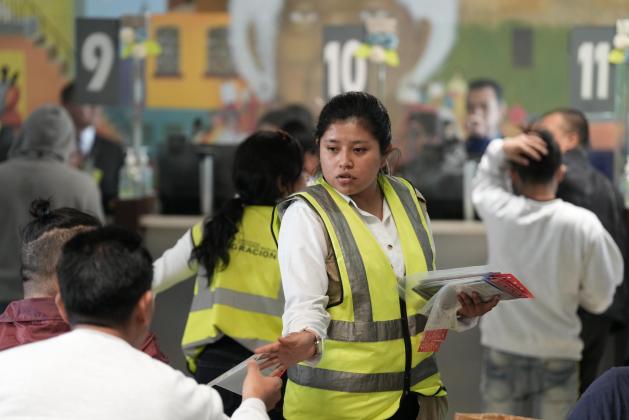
(592, 82)
(97, 61)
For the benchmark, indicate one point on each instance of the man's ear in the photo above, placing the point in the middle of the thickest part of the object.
(572, 140)
(513, 174)
(560, 173)
(516, 181)
(144, 309)
(61, 307)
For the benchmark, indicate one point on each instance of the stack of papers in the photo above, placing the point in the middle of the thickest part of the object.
(440, 289)
(471, 279)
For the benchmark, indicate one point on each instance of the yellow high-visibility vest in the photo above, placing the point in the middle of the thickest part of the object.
(245, 301)
(370, 355)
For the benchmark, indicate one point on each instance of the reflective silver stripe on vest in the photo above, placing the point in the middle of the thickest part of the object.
(411, 211)
(192, 349)
(355, 268)
(206, 298)
(371, 332)
(333, 380)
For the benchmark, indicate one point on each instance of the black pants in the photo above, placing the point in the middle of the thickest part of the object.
(218, 358)
(409, 408)
(595, 330)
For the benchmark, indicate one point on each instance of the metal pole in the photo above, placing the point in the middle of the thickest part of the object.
(382, 78)
(206, 184)
(137, 105)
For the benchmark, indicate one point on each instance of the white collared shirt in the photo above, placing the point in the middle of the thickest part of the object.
(302, 249)
(86, 139)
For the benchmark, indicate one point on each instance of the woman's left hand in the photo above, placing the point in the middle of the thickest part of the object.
(288, 351)
(473, 306)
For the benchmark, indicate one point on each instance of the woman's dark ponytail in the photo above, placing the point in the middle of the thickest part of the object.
(266, 165)
(218, 234)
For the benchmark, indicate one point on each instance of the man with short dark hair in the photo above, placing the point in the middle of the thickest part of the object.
(485, 111)
(565, 257)
(586, 187)
(94, 371)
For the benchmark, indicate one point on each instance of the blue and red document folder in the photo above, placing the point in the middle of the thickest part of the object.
(441, 287)
(487, 285)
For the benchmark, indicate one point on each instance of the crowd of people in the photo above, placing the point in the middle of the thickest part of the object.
(302, 266)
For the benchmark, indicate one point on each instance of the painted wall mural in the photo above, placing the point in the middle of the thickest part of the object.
(260, 54)
(430, 25)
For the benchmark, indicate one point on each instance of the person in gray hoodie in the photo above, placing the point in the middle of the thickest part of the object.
(38, 168)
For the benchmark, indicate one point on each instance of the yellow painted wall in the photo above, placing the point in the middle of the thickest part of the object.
(61, 13)
(191, 88)
(59, 18)
(16, 61)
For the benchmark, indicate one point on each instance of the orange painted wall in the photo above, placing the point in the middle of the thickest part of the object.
(43, 77)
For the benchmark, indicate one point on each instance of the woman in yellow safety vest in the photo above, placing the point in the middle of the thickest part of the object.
(238, 300)
(343, 244)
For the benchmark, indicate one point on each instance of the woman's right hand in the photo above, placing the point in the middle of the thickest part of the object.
(290, 350)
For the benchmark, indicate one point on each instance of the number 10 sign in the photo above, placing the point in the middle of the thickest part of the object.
(592, 85)
(97, 61)
(343, 72)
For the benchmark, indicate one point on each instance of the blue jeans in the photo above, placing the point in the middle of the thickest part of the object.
(527, 386)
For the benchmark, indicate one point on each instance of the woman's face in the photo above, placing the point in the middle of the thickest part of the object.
(350, 157)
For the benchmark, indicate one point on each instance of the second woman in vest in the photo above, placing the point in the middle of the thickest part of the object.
(343, 245)
(238, 300)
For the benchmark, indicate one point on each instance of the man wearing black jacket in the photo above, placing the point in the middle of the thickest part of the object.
(586, 187)
(99, 156)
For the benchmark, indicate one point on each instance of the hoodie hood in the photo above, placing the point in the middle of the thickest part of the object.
(47, 132)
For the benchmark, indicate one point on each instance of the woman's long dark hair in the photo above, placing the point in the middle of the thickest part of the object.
(266, 165)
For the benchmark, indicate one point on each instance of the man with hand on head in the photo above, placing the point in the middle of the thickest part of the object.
(564, 256)
(95, 371)
(586, 187)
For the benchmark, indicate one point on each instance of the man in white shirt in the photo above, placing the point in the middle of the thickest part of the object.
(562, 254)
(95, 371)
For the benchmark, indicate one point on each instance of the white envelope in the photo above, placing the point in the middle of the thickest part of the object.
(233, 379)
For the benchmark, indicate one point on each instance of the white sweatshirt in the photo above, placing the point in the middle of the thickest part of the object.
(559, 251)
(88, 374)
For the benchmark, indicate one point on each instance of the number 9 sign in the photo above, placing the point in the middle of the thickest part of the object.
(97, 61)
